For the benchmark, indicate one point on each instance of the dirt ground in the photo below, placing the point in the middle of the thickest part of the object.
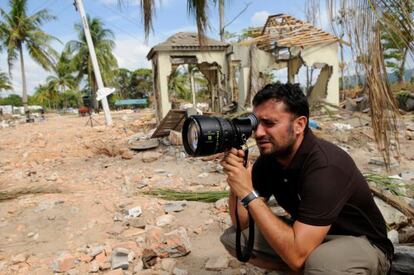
(67, 180)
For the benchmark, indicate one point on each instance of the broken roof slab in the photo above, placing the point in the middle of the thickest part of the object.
(187, 41)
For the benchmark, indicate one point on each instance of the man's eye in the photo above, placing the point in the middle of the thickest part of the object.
(269, 123)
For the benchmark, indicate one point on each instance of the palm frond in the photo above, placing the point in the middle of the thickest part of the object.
(147, 13)
(199, 9)
(4, 82)
(207, 196)
(364, 22)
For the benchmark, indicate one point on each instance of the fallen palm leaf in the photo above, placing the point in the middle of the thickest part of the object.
(382, 183)
(386, 182)
(207, 196)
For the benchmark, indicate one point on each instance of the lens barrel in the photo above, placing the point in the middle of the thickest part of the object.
(207, 135)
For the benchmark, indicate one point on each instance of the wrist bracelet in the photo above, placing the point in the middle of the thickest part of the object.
(251, 196)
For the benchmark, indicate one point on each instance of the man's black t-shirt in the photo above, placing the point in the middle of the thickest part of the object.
(323, 186)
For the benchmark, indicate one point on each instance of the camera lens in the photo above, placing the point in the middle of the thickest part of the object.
(204, 135)
(192, 135)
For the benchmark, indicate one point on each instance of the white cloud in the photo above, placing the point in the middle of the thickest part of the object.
(131, 53)
(259, 18)
(190, 28)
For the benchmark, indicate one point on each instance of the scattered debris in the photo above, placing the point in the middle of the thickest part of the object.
(134, 212)
(63, 263)
(143, 144)
(217, 263)
(108, 207)
(119, 258)
(164, 220)
(174, 206)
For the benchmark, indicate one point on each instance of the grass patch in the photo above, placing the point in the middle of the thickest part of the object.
(14, 194)
(168, 194)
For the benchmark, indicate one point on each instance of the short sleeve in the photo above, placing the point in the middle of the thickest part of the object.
(323, 194)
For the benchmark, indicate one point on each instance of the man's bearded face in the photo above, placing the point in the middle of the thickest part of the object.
(274, 134)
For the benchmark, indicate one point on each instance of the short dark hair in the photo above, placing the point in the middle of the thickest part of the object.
(290, 94)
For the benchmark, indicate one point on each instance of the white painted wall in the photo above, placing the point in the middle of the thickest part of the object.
(264, 60)
(164, 70)
(325, 53)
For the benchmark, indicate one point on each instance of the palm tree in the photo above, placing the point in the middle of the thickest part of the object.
(179, 84)
(104, 44)
(19, 30)
(70, 98)
(63, 79)
(121, 82)
(396, 44)
(42, 96)
(4, 82)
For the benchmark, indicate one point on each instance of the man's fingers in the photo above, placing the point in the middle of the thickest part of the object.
(240, 153)
(233, 151)
(234, 163)
(227, 167)
(235, 157)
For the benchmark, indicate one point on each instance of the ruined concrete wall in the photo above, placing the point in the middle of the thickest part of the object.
(164, 70)
(262, 62)
(319, 90)
(328, 54)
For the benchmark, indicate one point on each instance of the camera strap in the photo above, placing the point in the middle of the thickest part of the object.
(243, 255)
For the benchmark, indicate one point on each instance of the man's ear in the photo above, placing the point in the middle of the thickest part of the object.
(300, 124)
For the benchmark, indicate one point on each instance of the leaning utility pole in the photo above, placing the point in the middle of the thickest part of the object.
(221, 12)
(102, 91)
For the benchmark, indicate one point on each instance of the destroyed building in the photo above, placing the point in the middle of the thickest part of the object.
(235, 72)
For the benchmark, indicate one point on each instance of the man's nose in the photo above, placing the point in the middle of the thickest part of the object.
(259, 132)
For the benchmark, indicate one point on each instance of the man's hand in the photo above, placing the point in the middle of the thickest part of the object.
(238, 177)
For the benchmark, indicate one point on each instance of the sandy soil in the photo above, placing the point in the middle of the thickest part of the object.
(79, 176)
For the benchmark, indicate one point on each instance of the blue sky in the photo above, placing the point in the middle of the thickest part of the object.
(125, 22)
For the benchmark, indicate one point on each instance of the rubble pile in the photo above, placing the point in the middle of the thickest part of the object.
(92, 214)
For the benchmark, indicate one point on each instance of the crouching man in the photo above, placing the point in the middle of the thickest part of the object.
(334, 226)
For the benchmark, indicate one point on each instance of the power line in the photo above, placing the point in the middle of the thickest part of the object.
(125, 16)
(122, 30)
(41, 6)
(44, 5)
(65, 8)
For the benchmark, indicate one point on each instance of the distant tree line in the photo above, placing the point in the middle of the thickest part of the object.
(71, 73)
(72, 77)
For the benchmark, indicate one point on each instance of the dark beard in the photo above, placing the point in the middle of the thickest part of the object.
(281, 153)
(286, 151)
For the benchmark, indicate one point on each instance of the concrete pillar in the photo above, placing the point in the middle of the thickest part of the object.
(243, 85)
(164, 70)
